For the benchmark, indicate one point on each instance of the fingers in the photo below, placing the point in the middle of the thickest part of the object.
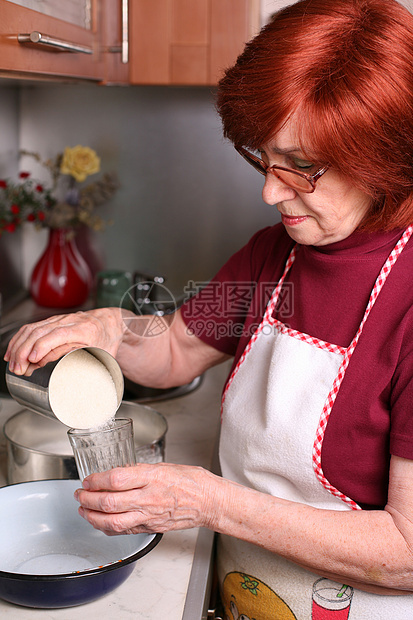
(107, 501)
(121, 524)
(121, 513)
(143, 498)
(121, 478)
(32, 343)
(36, 344)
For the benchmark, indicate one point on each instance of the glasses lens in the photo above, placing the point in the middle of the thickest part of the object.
(294, 180)
(289, 177)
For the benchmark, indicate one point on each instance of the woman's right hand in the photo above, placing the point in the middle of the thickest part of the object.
(36, 344)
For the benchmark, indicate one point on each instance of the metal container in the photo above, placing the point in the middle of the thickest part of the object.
(33, 391)
(133, 391)
(38, 447)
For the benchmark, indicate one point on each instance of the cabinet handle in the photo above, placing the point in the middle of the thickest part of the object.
(52, 44)
(125, 32)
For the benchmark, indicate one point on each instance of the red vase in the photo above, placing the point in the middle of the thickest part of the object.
(91, 251)
(61, 277)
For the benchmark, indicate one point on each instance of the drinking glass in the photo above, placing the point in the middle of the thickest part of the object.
(97, 450)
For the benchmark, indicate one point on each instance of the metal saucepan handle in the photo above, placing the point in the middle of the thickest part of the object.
(51, 43)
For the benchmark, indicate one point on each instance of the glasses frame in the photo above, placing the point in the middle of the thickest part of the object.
(260, 166)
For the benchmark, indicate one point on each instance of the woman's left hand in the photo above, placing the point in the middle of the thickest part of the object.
(150, 498)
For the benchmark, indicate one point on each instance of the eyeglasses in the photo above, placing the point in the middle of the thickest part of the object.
(301, 181)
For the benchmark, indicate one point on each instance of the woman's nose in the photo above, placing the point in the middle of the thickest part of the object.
(275, 190)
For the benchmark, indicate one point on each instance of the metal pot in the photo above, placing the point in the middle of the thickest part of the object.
(33, 391)
(38, 447)
(133, 391)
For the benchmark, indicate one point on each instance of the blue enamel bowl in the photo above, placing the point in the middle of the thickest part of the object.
(51, 557)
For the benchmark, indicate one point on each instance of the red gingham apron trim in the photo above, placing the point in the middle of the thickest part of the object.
(268, 312)
(267, 319)
(381, 279)
(346, 359)
(316, 342)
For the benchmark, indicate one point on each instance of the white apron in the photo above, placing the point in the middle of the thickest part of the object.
(271, 440)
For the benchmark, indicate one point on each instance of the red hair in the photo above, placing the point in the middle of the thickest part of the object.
(345, 69)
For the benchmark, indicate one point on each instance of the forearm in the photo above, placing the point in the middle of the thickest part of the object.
(155, 352)
(162, 354)
(364, 549)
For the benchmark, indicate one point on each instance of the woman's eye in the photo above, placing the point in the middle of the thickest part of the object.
(302, 164)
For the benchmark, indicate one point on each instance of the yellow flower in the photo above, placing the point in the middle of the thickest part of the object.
(80, 162)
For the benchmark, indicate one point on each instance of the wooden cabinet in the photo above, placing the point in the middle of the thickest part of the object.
(187, 41)
(65, 49)
(115, 40)
(182, 42)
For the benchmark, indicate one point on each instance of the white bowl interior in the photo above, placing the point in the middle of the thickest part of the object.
(41, 532)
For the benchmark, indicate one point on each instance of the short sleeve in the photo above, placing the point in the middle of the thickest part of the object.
(223, 314)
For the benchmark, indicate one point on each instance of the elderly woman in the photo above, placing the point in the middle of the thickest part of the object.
(315, 505)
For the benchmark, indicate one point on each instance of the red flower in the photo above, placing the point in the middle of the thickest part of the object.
(15, 209)
(41, 216)
(11, 227)
(31, 217)
(3, 184)
(39, 188)
(24, 175)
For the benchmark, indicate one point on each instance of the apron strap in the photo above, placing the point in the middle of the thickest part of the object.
(378, 285)
(268, 312)
(274, 297)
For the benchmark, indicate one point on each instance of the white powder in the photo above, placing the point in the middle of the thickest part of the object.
(82, 393)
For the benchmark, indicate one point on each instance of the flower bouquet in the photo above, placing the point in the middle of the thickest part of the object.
(32, 201)
(61, 277)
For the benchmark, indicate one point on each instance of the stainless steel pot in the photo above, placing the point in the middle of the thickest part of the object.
(38, 447)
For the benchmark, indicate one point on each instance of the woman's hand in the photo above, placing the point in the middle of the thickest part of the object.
(36, 344)
(150, 498)
(164, 497)
(173, 357)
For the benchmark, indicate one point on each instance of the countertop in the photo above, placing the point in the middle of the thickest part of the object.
(171, 581)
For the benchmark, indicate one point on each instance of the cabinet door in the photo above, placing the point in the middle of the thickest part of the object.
(76, 12)
(187, 41)
(69, 50)
(115, 41)
(149, 41)
(232, 23)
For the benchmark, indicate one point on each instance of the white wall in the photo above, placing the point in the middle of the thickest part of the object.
(187, 200)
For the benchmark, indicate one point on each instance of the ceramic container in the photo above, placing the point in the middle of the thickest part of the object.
(51, 557)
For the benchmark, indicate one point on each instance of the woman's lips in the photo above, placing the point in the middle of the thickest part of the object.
(293, 220)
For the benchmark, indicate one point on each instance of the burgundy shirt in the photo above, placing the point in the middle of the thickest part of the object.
(325, 295)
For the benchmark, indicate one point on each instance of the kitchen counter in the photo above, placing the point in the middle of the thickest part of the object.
(171, 581)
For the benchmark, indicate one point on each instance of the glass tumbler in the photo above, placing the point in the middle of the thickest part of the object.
(97, 450)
